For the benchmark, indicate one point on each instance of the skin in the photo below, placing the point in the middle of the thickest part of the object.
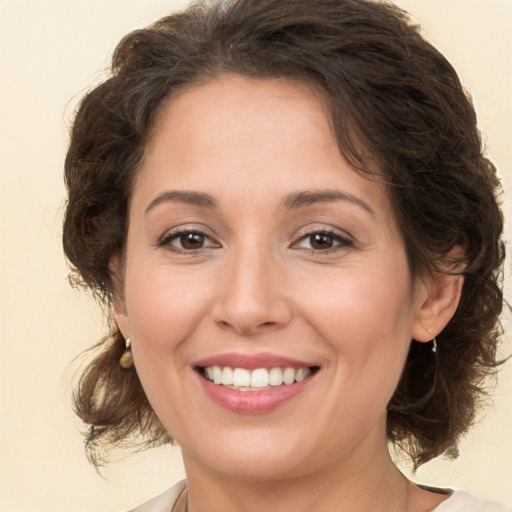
(256, 283)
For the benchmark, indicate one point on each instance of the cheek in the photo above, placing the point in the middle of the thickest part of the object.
(365, 315)
(357, 302)
(163, 308)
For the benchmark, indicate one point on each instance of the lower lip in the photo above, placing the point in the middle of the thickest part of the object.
(253, 402)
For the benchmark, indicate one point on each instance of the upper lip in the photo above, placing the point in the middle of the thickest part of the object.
(252, 361)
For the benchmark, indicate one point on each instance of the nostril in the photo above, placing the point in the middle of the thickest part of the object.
(245, 326)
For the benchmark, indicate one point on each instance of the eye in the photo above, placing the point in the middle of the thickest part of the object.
(187, 241)
(323, 241)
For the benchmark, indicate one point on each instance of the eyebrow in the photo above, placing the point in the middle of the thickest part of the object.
(184, 196)
(309, 197)
(291, 202)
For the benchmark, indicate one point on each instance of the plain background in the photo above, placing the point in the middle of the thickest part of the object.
(50, 53)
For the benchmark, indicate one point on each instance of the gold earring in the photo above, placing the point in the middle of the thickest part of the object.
(126, 360)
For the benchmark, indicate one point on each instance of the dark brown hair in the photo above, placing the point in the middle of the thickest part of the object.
(392, 98)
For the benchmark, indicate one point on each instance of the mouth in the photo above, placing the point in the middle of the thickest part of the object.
(253, 384)
(259, 379)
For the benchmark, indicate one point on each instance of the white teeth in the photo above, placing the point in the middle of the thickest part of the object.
(241, 377)
(217, 375)
(259, 378)
(227, 376)
(289, 376)
(246, 380)
(275, 377)
(305, 372)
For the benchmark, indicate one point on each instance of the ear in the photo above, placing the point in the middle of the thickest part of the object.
(118, 298)
(438, 296)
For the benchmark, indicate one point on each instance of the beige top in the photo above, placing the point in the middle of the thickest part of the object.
(175, 500)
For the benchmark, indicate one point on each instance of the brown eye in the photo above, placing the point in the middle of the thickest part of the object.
(324, 241)
(321, 241)
(187, 241)
(191, 241)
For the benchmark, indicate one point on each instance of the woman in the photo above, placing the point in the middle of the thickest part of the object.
(286, 206)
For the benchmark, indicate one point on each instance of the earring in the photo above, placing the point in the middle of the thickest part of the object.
(126, 360)
(427, 368)
(434, 342)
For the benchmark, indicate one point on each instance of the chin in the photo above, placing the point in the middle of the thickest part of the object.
(257, 456)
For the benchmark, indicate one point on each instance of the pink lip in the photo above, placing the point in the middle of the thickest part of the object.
(253, 402)
(252, 361)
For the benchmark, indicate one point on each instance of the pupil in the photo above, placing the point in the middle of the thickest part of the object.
(192, 241)
(321, 241)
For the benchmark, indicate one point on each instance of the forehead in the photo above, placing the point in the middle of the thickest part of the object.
(232, 106)
(257, 135)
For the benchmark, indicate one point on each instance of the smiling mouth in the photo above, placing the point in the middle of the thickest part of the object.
(259, 379)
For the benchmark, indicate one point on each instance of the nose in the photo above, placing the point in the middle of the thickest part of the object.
(251, 297)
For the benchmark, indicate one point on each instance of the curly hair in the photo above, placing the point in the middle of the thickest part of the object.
(392, 98)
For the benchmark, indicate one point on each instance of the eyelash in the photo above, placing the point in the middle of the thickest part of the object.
(167, 240)
(338, 240)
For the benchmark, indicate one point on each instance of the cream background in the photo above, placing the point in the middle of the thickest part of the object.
(50, 53)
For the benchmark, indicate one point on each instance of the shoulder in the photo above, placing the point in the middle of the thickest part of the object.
(163, 502)
(462, 501)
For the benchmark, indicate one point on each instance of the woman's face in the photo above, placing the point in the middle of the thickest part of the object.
(254, 246)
